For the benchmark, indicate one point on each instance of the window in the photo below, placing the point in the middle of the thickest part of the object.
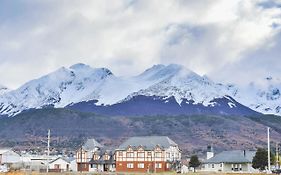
(130, 154)
(168, 155)
(93, 166)
(158, 165)
(96, 157)
(106, 157)
(167, 165)
(141, 155)
(213, 166)
(57, 166)
(140, 165)
(149, 154)
(130, 165)
(120, 153)
(158, 155)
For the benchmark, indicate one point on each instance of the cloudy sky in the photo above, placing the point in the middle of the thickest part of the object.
(230, 41)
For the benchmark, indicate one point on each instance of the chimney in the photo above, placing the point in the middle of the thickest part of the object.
(210, 152)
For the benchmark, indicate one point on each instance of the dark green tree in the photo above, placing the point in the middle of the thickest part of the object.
(194, 162)
(260, 159)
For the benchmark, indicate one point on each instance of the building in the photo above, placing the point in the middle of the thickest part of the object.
(10, 159)
(148, 154)
(36, 162)
(102, 160)
(230, 161)
(94, 157)
(61, 164)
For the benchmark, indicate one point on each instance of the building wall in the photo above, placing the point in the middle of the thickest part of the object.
(212, 167)
(73, 165)
(82, 166)
(100, 167)
(228, 167)
(63, 165)
(148, 166)
(147, 158)
(9, 157)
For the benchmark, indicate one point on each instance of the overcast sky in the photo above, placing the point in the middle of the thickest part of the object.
(229, 40)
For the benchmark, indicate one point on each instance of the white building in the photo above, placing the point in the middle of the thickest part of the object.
(36, 162)
(10, 158)
(230, 161)
(61, 164)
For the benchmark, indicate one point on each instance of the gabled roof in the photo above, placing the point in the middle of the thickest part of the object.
(66, 159)
(91, 144)
(235, 156)
(101, 159)
(4, 150)
(147, 142)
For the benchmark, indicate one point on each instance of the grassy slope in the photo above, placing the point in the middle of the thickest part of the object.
(193, 133)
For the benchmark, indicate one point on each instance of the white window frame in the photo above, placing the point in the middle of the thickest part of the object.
(141, 165)
(130, 165)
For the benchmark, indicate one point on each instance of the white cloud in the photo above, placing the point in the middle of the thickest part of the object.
(128, 36)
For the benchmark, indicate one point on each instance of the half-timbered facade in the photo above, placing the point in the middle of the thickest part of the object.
(94, 157)
(148, 154)
(102, 161)
(85, 153)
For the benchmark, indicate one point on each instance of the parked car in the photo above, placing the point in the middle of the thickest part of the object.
(277, 171)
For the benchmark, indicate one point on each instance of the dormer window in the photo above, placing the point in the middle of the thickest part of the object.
(96, 157)
(106, 157)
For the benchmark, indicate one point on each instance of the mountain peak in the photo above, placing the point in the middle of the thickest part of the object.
(163, 71)
(79, 66)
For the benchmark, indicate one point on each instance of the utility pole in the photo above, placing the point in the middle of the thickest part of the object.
(268, 150)
(277, 156)
(48, 150)
(81, 159)
(154, 161)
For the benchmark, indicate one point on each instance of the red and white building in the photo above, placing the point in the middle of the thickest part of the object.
(148, 154)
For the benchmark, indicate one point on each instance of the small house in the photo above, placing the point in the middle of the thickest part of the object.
(61, 164)
(230, 161)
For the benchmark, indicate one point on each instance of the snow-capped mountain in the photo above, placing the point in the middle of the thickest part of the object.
(178, 82)
(83, 87)
(62, 87)
(263, 96)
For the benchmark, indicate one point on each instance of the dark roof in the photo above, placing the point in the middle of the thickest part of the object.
(236, 156)
(148, 142)
(91, 144)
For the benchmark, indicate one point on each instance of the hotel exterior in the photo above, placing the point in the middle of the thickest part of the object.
(148, 154)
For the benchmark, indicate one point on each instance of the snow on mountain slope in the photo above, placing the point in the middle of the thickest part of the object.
(82, 83)
(66, 85)
(3, 89)
(263, 96)
(181, 83)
